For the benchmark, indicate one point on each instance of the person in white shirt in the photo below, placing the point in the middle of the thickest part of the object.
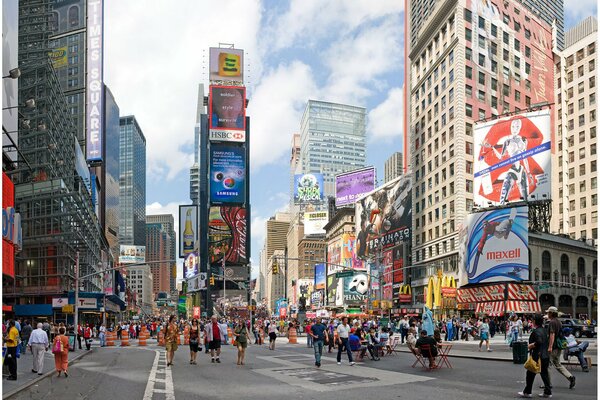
(38, 343)
(102, 335)
(577, 348)
(343, 331)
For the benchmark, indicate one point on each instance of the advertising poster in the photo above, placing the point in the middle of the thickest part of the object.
(132, 254)
(227, 174)
(190, 265)
(196, 312)
(320, 275)
(227, 110)
(108, 282)
(227, 235)
(58, 57)
(349, 258)
(384, 217)
(356, 289)
(235, 273)
(226, 65)
(308, 188)
(388, 277)
(334, 253)
(95, 79)
(188, 229)
(314, 221)
(513, 159)
(495, 245)
(305, 290)
(350, 186)
(398, 269)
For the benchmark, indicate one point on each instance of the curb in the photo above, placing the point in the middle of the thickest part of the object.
(40, 378)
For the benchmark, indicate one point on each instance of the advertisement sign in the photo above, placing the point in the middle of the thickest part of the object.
(190, 265)
(95, 80)
(513, 159)
(320, 276)
(350, 186)
(388, 276)
(227, 235)
(314, 221)
(356, 289)
(109, 282)
(81, 166)
(12, 235)
(59, 302)
(384, 217)
(227, 174)
(196, 312)
(132, 254)
(308, 188)
(349, 258)
(58, 56)
(87, 303)
(494, 246)
(227, 110)
(196, 283)
(226, 65)
(188, 229)
(236, 273)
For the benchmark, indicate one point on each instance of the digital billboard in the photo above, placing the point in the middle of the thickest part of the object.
(226, 65)
(320, 276)
(314, 221)
(350, 186)
(356, 289)
(190, 265)
(398, 269)
(384, 217)
(513, 159)
(493, 246)
(227, 235)
(95, 80)
(188, 229)
(227, 173)
(132, 254)
(227, 110)
(349, 258)
(308, 188)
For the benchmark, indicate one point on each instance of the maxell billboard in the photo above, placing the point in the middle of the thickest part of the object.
(95, 94)
(350, 186)
(227, 110)
(493, 246)
(513, 159)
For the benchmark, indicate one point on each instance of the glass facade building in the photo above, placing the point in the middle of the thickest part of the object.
(109, 210)
(132, 183)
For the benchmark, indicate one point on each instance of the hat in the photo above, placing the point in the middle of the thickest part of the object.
(552, 310)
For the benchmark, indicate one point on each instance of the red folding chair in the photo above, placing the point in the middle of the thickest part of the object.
(420, 359)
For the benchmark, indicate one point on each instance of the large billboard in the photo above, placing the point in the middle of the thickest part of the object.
(188, 229)
(320, 276)
(384, 217)
(227, 110)
(190, 265)
(227, 173)
(348, 257)
(350, 186)
(132, 254)
(356, 289)
(95, 80)
(513, 159)
(308, 188)
(227, 235)
(493, 246)
(314, 221)
(226, 65)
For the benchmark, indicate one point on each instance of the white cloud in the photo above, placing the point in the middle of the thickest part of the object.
(386, 120)
(576, 10)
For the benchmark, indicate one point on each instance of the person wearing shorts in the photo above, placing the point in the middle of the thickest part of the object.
(214, 335)
(241, 339)
(272, 335)
(172, 334)
(194, 341)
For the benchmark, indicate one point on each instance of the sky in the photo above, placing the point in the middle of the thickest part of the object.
(345, 51)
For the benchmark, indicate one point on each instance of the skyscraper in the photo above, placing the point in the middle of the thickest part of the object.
(109, 178)
(157, 249)
(195, 176)
(275, 240)
(168, 224)
(132, 183)
(393, 166)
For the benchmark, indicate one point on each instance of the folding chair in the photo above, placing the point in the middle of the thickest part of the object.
(424, 361)
(391, 345)
(359, 354)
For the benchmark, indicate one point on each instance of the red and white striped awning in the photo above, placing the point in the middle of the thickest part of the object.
(523, 307)
(518, 291)
(491, 308)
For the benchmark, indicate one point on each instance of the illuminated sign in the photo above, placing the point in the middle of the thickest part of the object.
(94, 113)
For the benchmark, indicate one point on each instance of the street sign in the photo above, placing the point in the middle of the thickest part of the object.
(543, 286)
(344, 274)
(68, 309)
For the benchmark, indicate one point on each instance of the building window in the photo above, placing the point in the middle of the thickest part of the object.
(469, 72)
(468, 34)
(469, 110)
(494, 30)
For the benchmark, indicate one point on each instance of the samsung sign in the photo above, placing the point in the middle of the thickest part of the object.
(94, 81)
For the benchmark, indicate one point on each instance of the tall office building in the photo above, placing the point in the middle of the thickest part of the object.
(294, 168)
(168, 224)
(157, 248)
(195, 176)
(393, 167)
(550, 11)
(467, 64)
(140, 281)
(332, 140)
(132, 183)
(109, 178)
(575, 183)
(275, 240)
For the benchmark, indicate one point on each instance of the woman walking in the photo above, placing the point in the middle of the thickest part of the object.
(538, 349)
(60, 348)
(241, 339)
(171, 336)
(194, 341)
(484, 334)
(272, 336)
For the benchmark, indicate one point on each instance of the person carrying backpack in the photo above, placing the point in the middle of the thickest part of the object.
(556, 343)
(60, 349)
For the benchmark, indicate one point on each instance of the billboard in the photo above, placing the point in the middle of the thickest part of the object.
(228, 235)
(314, 221)
(513, 159)
(188, 229)
(95, 81)
(308, 188)
(356, 289)
(493, 246)
(350, 186)
(197, 283)
(227, 110)
(190, 265)
(108, 282)
(227, 173)
(398, 270)
(58, 56)
(132, 254)
(349, 258)
(384, 217)
(388, 276)
(320, 276)
(226, 65)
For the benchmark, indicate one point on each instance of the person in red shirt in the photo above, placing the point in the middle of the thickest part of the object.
(309, 338)
(87, 336)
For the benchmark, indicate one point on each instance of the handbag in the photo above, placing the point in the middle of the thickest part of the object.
(57, 348)
(18, 355)
(532, 365)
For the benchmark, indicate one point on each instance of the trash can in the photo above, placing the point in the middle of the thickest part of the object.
(519, 349)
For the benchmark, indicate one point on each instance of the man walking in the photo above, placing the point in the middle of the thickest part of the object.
(25, 334)
(318, 332)
(343, 331)
(214, 335)
(102, 335)
(38, 343)
(555, 332)
(404, 328)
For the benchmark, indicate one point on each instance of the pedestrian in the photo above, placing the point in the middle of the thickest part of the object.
(60, 349)
(79, 334)
(538, 349)
(194, 341)
(11, 341)
(492, 327)
(87, 337)
(555, 335)
(25, 333)
(320, 336)
(331, 336)
(215, 335)
(102, 335)
(513, 330)
(484, 334)
(343, 331)
(272, 336)
(309, 341)
(240, 333)
(38, 343)
(171, 336)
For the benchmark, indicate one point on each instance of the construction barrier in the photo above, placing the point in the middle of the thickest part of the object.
(110, 338)
(161, 339)
(142, 339)
(229, 335)
(292, 336)
(124, 338)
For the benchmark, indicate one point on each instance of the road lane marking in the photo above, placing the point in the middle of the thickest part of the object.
(169, 390)
(152, 378)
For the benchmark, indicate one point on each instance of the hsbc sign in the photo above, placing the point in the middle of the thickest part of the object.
(221, 135)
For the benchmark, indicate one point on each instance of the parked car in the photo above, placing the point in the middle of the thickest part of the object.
(578, 327)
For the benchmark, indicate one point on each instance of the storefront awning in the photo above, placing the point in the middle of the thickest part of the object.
(32, 310)
(491, 308)
(523, 307)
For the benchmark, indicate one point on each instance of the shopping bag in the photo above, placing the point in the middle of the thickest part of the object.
(532, 365)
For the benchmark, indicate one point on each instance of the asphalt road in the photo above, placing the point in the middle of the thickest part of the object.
(287, 373)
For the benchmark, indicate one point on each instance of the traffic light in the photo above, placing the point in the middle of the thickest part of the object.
(212, 281)
(275, 267)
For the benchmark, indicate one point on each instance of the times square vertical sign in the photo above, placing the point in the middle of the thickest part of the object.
(94, 123)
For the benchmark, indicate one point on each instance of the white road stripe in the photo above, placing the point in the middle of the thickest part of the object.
(169, 388)
(152, 378)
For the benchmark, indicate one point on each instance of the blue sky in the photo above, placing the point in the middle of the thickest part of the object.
(333, 50)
